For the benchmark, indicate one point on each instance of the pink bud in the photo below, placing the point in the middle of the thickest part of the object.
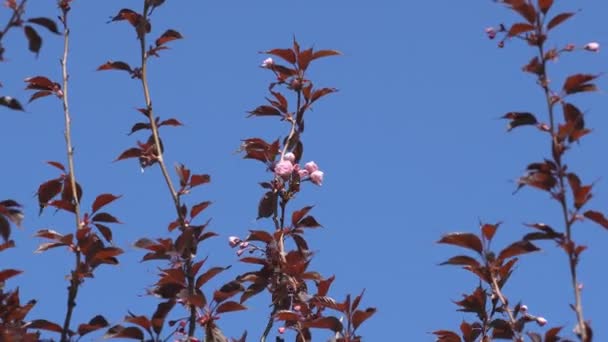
(281, 330)
(284, 168)
(570, 47)
(523, 308)
(240, 252)
(317, 177)
(267, 63)
(311, 167)
(491, 32)
(244, 244)
(233, 241)
(297, 307)
(592, 46)
(290, 156)
(303, 174)
(541, 321)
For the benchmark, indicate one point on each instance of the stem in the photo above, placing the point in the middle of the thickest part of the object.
(572, 258)
(161, 162)
(74, 279)
(505, 304)
(16, 17)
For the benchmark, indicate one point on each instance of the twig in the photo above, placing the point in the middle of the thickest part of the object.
(74, 279)
(505, 305)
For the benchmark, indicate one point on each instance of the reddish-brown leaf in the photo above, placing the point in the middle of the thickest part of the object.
(57, 165)
(33, 38)
(517, 248)
(466, 240)
(168, 36)
(103, 200)
(104, 217)
(44, 325)
(597, 217)
(9, 273)
(360, 316)
(63, 205)
(519, 119)
(118, 331)
(462, 260)
(299, 214)
(110, 65)
(286, 54)
(519, 28)
(330, 323)
(170, 122)
(579, 83)
(133, 152)
(197, 209)
(265, 110)
(545, 5)
(46, 23)
(95, 323)
(158, 318)
(229, 307)
(324, 53)
(304, 58)
(196, 180)
(287, 315)
(446, 336)
(208, 275)
(48, 190)
(142, 321)
(267, 205)
(488, 230)
(319, 93)
(558, 19)
(259, 235)
(105, 231)
(11, 103)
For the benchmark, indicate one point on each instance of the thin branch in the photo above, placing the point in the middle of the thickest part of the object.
(74, 278)
(161, 162)
(15, 18)
(505, 305)
(572, 258)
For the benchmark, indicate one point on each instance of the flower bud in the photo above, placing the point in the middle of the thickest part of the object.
(317, 177)
(311, 167)
(523, 308)
(281, 330)
(290, 156)
(491, 32)
(234, 241)
(284, 168)
(541, 321)
(592, 46)
(268, 63)
(303, 173)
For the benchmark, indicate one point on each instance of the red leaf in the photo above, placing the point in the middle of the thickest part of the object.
(9, 273)
(40, 83)
(196, 180)
(517, 248)
(519, 28)
(545, 5)
(304, 59)
(579, 83)
(267, 205)
(447, 336)
(46, 23)
(110, 65)
(95, 323)
(170, 122)
(519, 119)
(105, 231)
(142, 321)
(361, 316)
(44, 325)
(118, 331)
(287, 315)
(597, 217)
(11, 103)
(34, 40)
(103, 200)
(286, 54)
(168, 36)
(48, 191)
(57, 165)
(330, 323)
(488, 230)
(197, 209)
(324, 53)
(308, 222)
(466, 240)
(210, 273)
(259, 235)
(298, 215)
(265, 110)
(229, 307)
(462, 260)
(558, 19)
(39, 94)
(104, 217)
(130, 153)
(63, 205)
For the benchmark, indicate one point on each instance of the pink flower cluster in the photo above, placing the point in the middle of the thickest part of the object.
(286, 167)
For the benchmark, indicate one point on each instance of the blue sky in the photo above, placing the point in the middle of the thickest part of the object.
(411, 148)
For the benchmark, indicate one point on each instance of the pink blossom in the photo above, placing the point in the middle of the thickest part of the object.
(268, 62)
(311, 167)
(523, 308)
(240, 252)
(290, 156)
(541, 321)
(281, 330)
(570, 47)
(234, 241)
(303, 173)
(317, 177)
(244, 244)
(491, 32)
(592, 46)
(284, 168)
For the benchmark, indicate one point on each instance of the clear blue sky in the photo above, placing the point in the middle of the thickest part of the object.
(411, 148)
